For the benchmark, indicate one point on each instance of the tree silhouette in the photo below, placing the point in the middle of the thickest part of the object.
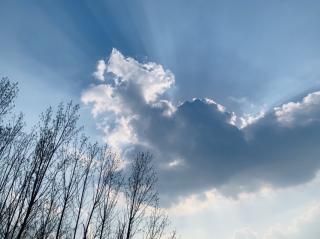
(54, 183)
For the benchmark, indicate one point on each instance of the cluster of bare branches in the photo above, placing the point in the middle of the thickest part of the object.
(54, 183)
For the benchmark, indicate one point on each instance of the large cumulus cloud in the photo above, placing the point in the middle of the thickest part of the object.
(198, 144)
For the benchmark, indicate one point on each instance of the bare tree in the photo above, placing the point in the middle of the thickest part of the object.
(156, 224)
(111, 184)
(55, 184)
(8, 92)
(82, 190)
(106, 182)
(140, 192)
(54, 131)
(70, 167)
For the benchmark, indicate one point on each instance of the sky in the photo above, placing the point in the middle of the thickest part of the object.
(224, 94)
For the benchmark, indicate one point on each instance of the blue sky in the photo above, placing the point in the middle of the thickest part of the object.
(253, 52)
(224, 93)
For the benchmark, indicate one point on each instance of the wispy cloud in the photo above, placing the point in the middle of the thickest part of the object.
(101, 68)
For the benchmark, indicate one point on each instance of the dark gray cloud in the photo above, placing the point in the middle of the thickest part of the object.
(197, 148)
(198, 144)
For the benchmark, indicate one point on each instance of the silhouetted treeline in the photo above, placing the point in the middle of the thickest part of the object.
(54, 183)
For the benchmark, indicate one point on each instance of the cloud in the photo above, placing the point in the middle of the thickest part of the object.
(198, 144)
(304, 226)
(299, 113)
(149, 78)
(245, 233)
(258, 213)
(101, 68)
(130, 87)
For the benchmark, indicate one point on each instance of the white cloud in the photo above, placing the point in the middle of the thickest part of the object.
(245, 233)
(233, 154)
(302, 112)
(149, 77)
(249, 119)
(120, 98)
(102, 98)
(270, 213)
(304, 226)
(204, 155)
(121, 135)
(100, 71)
